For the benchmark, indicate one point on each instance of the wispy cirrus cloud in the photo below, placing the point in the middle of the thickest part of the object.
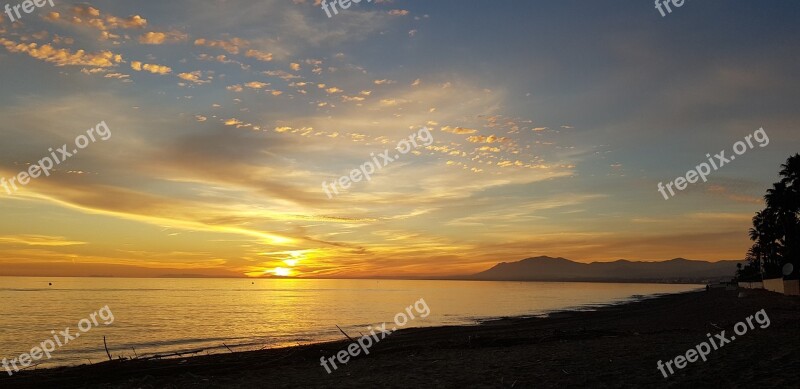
(38, 240)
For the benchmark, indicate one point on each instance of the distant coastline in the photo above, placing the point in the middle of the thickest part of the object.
(549, 269)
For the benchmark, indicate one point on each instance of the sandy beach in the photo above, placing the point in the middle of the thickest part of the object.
(616, 346)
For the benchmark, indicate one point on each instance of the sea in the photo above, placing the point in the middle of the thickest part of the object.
(157, 316)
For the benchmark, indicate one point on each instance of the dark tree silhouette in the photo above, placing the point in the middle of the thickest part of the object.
(776, 229)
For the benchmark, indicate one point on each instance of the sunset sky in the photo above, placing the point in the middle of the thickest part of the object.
(553, 123)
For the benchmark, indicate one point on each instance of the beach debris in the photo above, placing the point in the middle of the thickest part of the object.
(344, 333)
(106, 346)
(176, 354)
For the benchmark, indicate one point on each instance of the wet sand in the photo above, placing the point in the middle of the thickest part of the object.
(614, 346)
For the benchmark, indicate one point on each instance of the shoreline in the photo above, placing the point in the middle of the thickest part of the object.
(581, 308)
(252, 345)
(569, 347)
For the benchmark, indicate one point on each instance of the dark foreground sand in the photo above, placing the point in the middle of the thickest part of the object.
(613, 347)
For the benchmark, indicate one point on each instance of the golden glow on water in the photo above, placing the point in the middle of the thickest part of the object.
(171, 314)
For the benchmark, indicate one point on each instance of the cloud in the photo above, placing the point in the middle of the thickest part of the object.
(63, 57)
(85, 11)
(159, 38)
(117, 75)
(352, 98)
(391, 102)
(488, 148)
(89, 16)
(134, 21)
(485, 139)
(235, 46)
(152, 68)
(259, 55)
(722, 191)
(232, 46)
(458, 130)
(280, 74)
(233, 122)
(38, 240)
(93, 70)
(193, 77)
(256, 84)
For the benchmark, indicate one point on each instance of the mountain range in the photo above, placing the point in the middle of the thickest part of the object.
(678, 270)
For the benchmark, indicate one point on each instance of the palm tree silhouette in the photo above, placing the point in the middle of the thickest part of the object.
(776, 229)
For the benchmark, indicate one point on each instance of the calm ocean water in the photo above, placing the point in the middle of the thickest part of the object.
(166, 315)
